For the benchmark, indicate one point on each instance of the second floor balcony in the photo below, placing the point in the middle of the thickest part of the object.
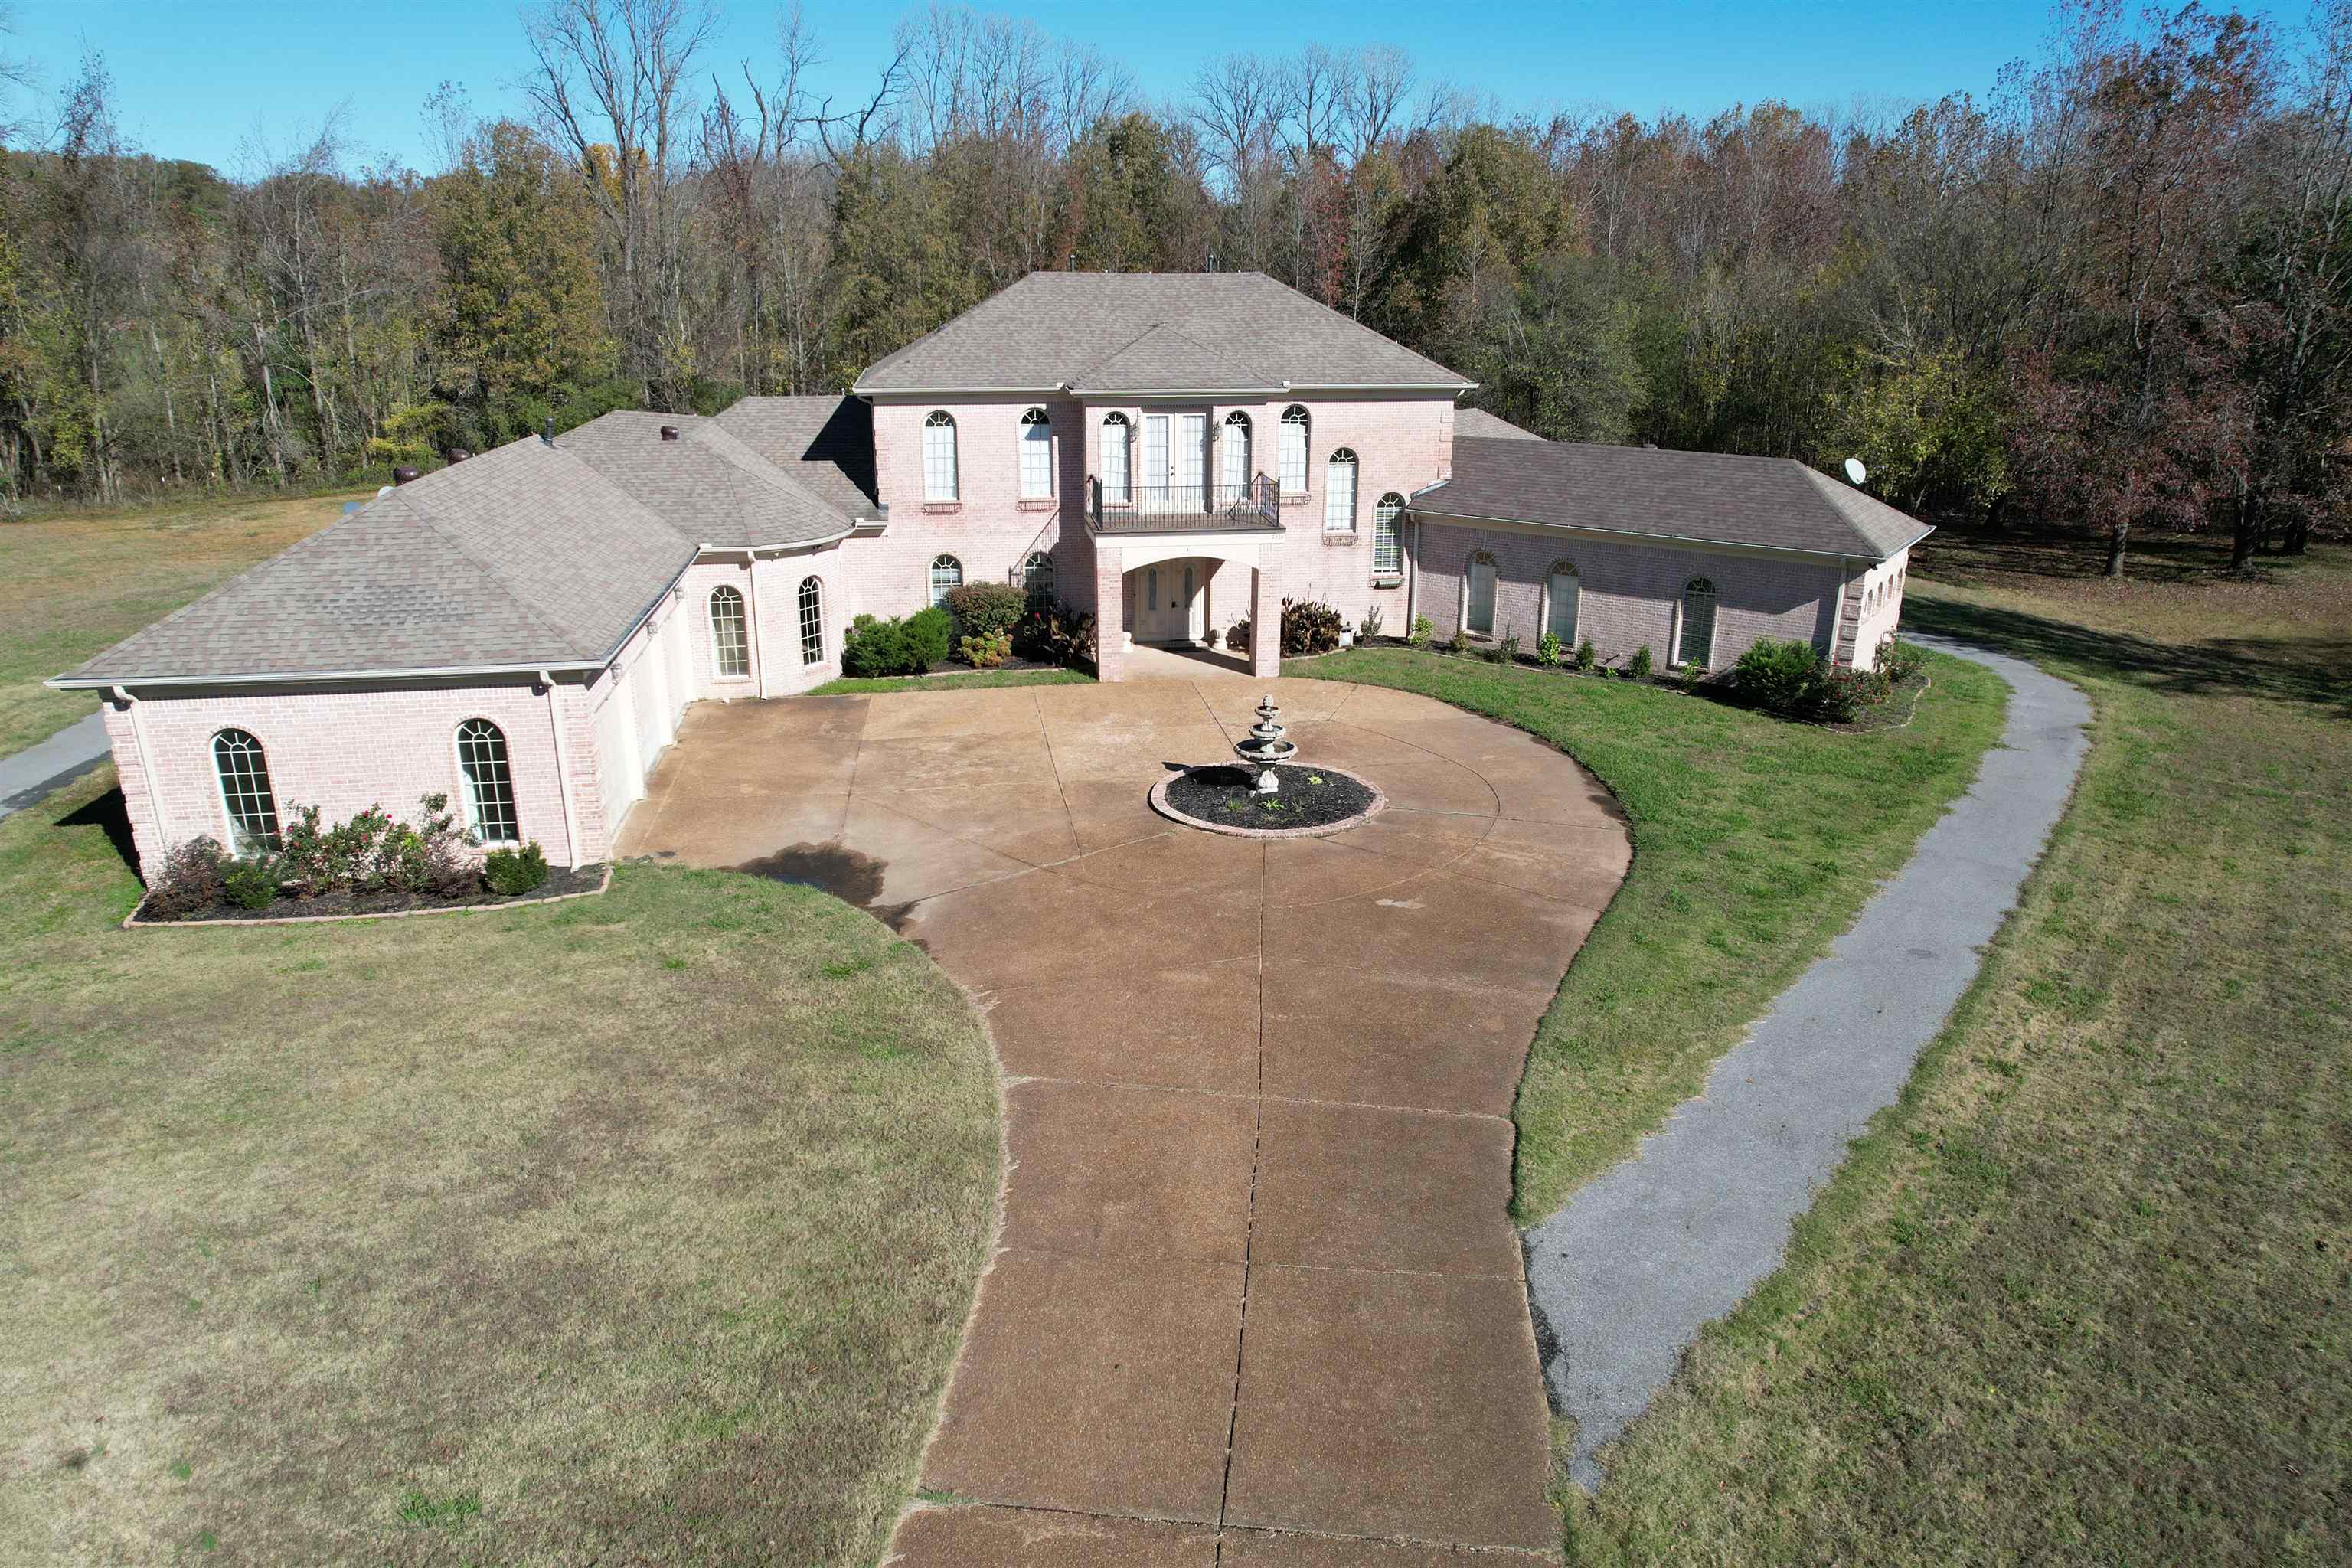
(1184, 509)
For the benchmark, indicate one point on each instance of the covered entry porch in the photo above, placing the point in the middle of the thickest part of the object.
(1159, 596)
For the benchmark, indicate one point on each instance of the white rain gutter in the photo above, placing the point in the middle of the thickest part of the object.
(146, 769)
(563, 768)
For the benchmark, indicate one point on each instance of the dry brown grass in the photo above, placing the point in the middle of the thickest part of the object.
(79, 581)
(2083, 1295)
(637, 1229)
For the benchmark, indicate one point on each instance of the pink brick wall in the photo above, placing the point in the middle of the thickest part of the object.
(1628, 592)
(345, 750)
(1401, 445)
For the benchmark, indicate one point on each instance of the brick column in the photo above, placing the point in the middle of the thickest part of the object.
(1265, 618)
(1110, 601)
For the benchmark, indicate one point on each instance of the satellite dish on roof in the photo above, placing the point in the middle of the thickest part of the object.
(383, 492)
(1856, 471)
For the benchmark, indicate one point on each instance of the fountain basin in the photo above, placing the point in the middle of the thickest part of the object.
(1224, 797)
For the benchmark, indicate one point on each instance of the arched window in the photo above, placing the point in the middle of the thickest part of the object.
(1036, 456)
(1339, 492)
(947, 572)
(1116, 453)
(1696, 644)
(1233, 460)
(812, 621)
(1037, 577)
(940, 456)
(1294, 450)
(1478, 596)
(489, 785)
(1561, 594)
(246, 798)
(1388, 536)
(731, 644)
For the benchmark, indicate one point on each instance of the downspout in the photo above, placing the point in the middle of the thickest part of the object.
(562, 767)
(759, 627)
(146, 769)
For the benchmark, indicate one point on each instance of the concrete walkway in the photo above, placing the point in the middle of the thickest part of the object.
(52, 764)
(1626, 1274)
(1257, 1299)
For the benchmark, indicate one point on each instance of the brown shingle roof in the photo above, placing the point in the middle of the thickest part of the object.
(1162, 358)
(708, 484)
(1047, 329)
(1477, 421)
(1715, 498)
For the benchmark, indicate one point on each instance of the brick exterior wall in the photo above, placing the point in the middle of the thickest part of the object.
(1630, 594)
(1872, 609)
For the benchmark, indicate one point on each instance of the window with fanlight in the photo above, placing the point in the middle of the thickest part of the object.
(1233, 458)
(1339, 492)
(1388, 536)
(1117, 450)
(1294, 450)
(483, 765)
(730, 642)
(1036, 456)
(1561, 593)
(247, 800)
(811, 608)
(1697, 643)
(940, 456)
(947, 572)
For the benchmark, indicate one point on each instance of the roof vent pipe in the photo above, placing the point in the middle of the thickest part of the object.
(401, 476)
(547, 431)
(670, 432)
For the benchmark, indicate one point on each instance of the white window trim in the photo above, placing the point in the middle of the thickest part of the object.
(934, 596)
(940, 419)
(220, 789)
(1462, 612)
(1123, 492)
(1044, 421)
(1575, 630)
(1355, 465)
(1396, 524)
(1675, 660)
(1304, 426)
(710, 625)
(514, 793)
(800, 619)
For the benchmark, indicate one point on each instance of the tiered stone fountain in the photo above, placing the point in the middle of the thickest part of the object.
(1252, 803)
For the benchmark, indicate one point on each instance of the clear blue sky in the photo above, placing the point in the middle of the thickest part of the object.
(200, 79)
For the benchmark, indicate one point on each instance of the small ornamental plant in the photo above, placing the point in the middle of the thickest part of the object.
(514, 872)
(1507, 650)
(1586, 658)
(1548, 650)
(1638, 667)
(1423, 630)
(251, 884)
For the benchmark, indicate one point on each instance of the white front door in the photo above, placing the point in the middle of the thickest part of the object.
(1168, 603)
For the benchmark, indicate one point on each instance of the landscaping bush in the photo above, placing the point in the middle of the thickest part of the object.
(875, 646)
(1421, 632)
(1783, 678)
(1238, 639)
(1638, 667)
(430, 856)
(251, 884)
(372, 852)
(1548, 650)
(1586, 659)
(987, 609)
(1845, 694)
(929, 633)
(191, 881)
(514, 872)
(1900, 660)
(1694, 675)
(987, 650)
(1507, 650)
(1208, 637)
(1054, 634)
(1369, 627)
(1309, 626)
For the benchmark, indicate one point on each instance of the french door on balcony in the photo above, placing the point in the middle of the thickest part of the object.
(1175, 462)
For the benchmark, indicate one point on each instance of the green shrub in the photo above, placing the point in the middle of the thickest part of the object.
(1783, 678)
(987, 609)
(875, 646)
(1421, 632)
(1694, 675)
(928, 632)
(1845, 694)
(1208, 637)
(1369, 627)
(1586, 659)
(189, 882)
(1309, 626)
(1548, 650)
(1900, 660)
(1507, 650)
(514, 872)
(1238, 637)
(1638, 667)
(986, 651)
(251, 884)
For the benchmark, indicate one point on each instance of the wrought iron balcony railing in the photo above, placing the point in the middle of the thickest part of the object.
(1166, 508)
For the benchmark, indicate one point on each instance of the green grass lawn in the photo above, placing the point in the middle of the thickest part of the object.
(958, 680)
(1755, 843)
(634, 1229)
(79, 581)
(2084, 1294)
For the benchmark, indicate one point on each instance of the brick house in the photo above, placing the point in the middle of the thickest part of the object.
(1173, 453)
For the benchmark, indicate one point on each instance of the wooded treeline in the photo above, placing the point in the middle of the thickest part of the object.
(2116, 292)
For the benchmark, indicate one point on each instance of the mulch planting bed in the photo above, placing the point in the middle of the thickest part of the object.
(560, 884)
(1312, 801)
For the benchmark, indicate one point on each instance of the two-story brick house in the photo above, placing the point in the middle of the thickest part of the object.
(1171, 452)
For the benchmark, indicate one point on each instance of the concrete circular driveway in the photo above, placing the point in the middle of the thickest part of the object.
(1256, 1291)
